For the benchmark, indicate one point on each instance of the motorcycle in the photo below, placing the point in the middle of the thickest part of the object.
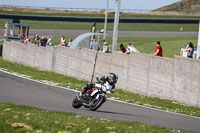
(93, 98)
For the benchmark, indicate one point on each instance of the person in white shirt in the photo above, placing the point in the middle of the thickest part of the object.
(69, 42)
(131, 48)
(105, 47)
(49, 41)
(62, 41)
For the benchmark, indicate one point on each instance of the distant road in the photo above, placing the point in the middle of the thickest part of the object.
(26, 92)
(121, 33)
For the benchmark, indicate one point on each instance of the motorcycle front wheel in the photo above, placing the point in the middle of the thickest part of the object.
(76, 103)
(97, 103)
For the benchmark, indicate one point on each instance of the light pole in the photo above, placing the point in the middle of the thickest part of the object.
(106, 17)
(116, 23)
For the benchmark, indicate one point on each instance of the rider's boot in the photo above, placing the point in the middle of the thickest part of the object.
(83, 90)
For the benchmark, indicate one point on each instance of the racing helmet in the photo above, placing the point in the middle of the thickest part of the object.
(112, 78)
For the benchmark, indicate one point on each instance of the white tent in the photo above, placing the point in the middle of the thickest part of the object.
(83, 40)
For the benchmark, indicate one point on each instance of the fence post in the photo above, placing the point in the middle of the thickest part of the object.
(1, 50)
(53, 65)
(95, 60)
(198, 43)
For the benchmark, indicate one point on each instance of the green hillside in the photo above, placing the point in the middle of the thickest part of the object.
(184, 6)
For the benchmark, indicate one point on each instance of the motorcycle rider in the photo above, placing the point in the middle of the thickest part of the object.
(108, 83)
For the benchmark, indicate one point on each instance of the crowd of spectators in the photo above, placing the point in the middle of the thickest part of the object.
(96, 46)
(130, 48)
(43, 41)
(24, 40)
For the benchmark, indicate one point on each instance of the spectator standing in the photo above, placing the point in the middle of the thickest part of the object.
(190, 50)
(63, 41)
(103, 40)
(131, 48)
(26, 40)
(122, 48)
(69, 42)
(105, 47)
(158, 51)
(4, 32)
(37, 39)
(49, 41)
(94, 45)
(101, 31)
(43, 42)
(22, 39)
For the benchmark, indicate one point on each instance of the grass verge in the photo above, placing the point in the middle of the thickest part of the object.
(61, 25)
(92, 14)
(1, 43)
(23, 119)
(119, 94)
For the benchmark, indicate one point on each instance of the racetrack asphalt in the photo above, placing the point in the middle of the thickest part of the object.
(23, 91)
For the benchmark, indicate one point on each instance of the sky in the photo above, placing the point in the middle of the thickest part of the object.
(125, 4)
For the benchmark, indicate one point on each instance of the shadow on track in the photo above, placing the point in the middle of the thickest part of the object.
(111, 112)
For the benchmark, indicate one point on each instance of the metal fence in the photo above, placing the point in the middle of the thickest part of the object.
(110, 20)
(77, 9)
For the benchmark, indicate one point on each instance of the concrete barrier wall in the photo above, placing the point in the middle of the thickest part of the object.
(75, 63)
(186, 82)
(30, 55)
(150, 75)
(139, 73)
(138, 76)
(174, 79)
(115, 62)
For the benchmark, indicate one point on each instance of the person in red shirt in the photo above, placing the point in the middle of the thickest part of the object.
(158, 51)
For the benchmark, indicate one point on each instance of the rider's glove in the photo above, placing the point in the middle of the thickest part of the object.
(112, 91)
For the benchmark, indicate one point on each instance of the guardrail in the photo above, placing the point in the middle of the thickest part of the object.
(110, 20)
